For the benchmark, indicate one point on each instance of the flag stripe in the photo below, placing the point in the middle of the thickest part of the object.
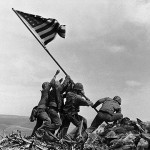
(49, 40)
(45, 31)
(54, 30)
(46, 26)
(40, 26)
(49, 37)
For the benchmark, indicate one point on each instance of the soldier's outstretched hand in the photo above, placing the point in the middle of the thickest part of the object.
(90, 103)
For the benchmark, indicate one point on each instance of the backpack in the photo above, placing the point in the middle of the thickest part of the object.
(33, 115)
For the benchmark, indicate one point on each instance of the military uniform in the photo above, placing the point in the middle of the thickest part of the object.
(41, 113)
(109, 112)
(70, 110)
(55, 103)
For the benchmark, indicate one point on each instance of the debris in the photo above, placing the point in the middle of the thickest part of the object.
(124, 135)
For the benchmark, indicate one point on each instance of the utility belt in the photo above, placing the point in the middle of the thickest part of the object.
(71, 116)
(70, 113)
(102, 111)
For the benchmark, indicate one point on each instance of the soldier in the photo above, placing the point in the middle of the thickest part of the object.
(33, 117)
(42, 116)
(109, 112)
(40, 111)
(71, 108)
(55, 103)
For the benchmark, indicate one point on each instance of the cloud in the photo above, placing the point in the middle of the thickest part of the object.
(116, 49)
(132, 83)
(136, 101)
(119, 25)
(138, 11)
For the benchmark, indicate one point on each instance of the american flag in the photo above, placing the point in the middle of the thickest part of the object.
(45, 28)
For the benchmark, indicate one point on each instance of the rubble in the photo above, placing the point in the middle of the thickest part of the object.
(16, 141)
(124, 135)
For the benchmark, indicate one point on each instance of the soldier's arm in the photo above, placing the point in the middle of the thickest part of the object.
(58, 98)
(82, 102)
(44, 97)
(52, 82)
(65, 83)
(100, 101)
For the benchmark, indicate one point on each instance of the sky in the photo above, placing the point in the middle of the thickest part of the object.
(106, 49)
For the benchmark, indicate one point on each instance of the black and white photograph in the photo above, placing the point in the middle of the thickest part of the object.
(75, 75)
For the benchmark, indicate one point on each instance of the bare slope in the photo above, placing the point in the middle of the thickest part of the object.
(9, 123)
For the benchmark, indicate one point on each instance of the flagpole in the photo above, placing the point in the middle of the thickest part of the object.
(40, 42)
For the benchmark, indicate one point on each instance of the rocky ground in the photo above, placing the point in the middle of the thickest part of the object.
(124, 135)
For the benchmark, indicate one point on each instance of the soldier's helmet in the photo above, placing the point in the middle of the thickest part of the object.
(118, 99)
(45, 85)
(78, 86)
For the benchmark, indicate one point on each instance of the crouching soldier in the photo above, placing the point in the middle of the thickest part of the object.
(110, 111)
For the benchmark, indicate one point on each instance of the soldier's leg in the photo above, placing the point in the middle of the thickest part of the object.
(84, 123)
(63, 128)
(98, 120)
(77, 120)
(46, 120)
(56, 121)
(39, 123)
(116, 117)
(62, 117)
(42, 115)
